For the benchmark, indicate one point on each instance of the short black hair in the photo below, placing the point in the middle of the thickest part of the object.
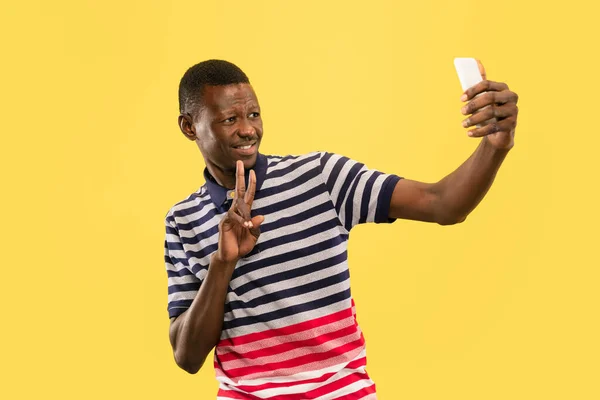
(206, 73)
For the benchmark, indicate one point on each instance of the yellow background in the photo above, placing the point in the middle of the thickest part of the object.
(504, 306)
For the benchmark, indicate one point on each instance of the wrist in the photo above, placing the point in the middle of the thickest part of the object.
(217, 261)
(503, 150)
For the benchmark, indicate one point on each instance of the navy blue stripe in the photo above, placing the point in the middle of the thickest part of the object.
(324, 158)
(173, 246)
(193, 240)
(291, 292)
(293, 219)
(191, 198)
(281, 223)
(205, 250)
(196, 268)
(194, 209)
(285, 312)
(292, 273)
(295, 236)
(179, 273)
(283, 159)
(366, 197)
(335, 171)
(289, 256)
(184, 287)
(354, 170)
(176, 308)
(290, 202)
(170, 230)
(298, 181)
(284, 171)
(197, 222)
(384, 199)
(350, 202)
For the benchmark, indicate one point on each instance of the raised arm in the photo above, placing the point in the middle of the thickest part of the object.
(197, 331)
(450, 200)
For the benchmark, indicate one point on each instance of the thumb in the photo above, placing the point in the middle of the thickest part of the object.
(481, 70)
(256, 221)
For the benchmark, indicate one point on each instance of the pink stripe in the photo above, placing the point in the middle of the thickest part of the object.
(226, 353)
(367, 393)
(308, 362)
(287, 330)
(289, 346)
(323, 345)
(358, 363)
(333, 386)
(312, 394)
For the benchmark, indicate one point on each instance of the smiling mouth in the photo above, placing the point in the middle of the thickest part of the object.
(245, 146)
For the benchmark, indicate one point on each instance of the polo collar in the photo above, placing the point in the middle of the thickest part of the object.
(218, 193)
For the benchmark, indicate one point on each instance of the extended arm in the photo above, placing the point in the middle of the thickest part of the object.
(449, 201)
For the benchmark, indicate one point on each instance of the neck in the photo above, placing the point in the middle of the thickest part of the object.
(224, 177)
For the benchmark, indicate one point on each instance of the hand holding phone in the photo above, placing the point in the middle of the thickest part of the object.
(469, 75)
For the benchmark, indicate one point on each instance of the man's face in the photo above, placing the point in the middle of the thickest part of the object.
(229, 126)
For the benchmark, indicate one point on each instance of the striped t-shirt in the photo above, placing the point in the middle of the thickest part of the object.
(290, 328)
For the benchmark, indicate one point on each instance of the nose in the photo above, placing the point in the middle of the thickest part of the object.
(246, 129)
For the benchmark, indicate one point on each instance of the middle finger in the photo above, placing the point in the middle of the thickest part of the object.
(487, 99)
(493, 111)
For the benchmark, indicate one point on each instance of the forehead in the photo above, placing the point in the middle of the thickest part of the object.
(221, 98)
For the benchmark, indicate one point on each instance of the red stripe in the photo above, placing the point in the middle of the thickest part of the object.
(232, 394)
(358, 363)
(284, 347)
(295, 362)
(333, 386)
(312, 394)
(359, 394)
(286, 330)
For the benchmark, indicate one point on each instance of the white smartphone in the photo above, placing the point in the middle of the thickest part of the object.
(469, 76)
(468, 72)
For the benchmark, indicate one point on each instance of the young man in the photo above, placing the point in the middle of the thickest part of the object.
(256, 258)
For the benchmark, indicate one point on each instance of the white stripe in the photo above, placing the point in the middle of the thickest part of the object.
(320, 330)
(305, 375)
(269, 270)
(182, 280)
(289, 283)
(290, 176)
(290, 320)
(288, 301)
(375, 196)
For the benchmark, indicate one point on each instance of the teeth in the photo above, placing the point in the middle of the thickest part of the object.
(244, 147)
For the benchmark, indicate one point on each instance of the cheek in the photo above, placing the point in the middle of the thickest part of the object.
(258, 125)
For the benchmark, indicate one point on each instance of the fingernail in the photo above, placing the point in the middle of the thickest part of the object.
(465, 123)
(463, 110)
(470, 133)
(463, 97)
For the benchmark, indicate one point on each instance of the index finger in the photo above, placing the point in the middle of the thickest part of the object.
(240, 184)
(251, 188)
(484, 86)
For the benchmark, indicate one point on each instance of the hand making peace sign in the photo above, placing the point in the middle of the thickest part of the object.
(238, 231)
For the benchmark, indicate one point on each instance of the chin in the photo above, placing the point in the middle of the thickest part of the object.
(250, 161)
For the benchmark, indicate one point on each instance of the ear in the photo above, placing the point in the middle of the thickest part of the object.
(186, 124)
(481, 70)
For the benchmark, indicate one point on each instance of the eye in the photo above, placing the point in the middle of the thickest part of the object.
(229, 120)
(254, 115)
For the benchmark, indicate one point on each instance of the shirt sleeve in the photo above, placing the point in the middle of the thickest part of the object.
(359, 194)
(183, 284)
